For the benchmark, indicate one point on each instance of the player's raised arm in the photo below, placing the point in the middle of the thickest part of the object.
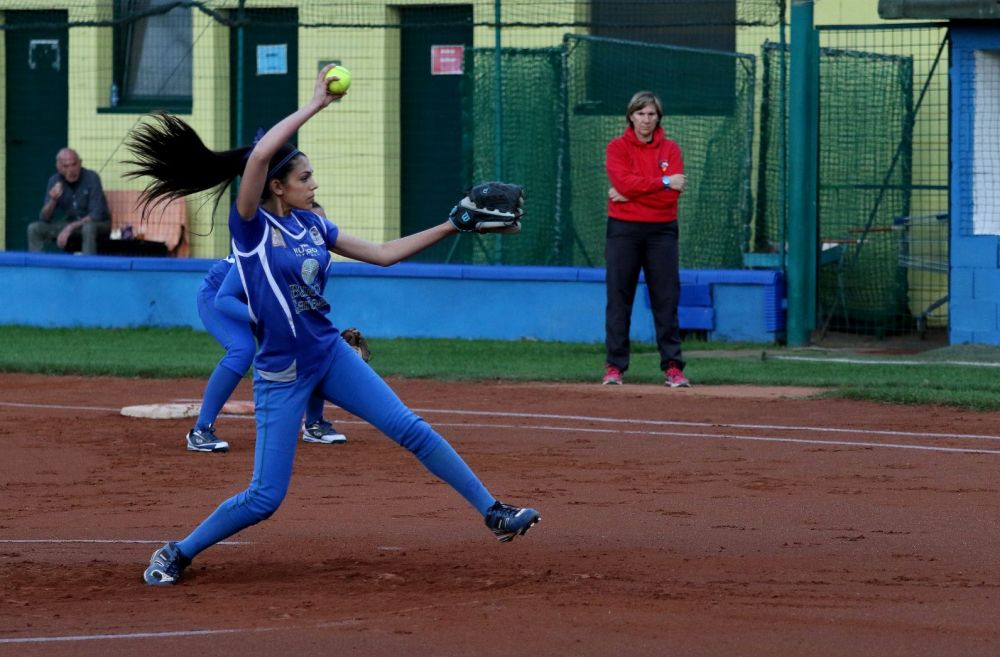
(255, 174)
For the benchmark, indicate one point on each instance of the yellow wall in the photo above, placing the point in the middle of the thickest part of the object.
(844, 12)
(354, 146)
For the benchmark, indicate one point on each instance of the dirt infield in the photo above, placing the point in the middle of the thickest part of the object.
(703, 522)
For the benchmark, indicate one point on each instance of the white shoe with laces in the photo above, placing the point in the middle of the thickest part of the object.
(322, 431)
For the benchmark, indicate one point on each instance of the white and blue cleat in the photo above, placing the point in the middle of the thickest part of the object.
(166, 566)
(205, 440)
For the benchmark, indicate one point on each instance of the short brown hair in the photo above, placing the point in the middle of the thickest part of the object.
(640, 100)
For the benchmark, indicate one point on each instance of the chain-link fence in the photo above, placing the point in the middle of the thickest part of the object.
(883, 159)
(447, 94)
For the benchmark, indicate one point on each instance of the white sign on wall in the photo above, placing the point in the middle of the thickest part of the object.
(272, 59)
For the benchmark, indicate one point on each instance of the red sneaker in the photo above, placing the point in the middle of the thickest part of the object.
(674, 377)
(612, 375)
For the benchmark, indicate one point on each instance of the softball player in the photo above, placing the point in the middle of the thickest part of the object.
(282, 250)
(228, 321)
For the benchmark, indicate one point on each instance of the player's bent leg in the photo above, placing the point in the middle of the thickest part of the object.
(238, 341)
(354, 386)
(278, 408)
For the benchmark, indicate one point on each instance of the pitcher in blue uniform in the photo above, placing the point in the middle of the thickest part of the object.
(282, 250)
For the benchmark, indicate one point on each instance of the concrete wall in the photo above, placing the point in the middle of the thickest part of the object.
(563, 304)
(975, 186)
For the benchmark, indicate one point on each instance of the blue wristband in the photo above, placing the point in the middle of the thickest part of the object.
(666, 182)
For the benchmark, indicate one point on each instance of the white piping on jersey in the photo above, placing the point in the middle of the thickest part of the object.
(243, 281)
(261, 254)
(284, 376)
(301, 234)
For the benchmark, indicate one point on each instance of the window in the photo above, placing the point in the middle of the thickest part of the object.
(708, 79)
(707, 24)
(153, 58)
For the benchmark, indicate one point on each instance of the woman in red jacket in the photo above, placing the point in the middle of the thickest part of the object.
(646, 171)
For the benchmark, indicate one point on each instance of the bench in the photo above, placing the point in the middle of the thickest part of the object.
(163, 232)
(731, 304)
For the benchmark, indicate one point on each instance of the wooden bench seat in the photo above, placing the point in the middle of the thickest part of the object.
(166, 223)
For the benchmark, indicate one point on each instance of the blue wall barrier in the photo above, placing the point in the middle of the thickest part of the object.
(974, 290)
(406, 300)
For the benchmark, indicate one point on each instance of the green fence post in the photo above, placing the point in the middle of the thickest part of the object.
(498, 136)
(240, 72)
(802, 137)
(498, 84)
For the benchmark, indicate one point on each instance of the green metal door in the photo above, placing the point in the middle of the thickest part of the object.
(37, 108)
(264, 72)
(432, 171)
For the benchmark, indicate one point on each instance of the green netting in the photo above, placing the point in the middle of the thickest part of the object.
(528, 139)
(715, 136)
(865, 150)
(235, 67)
(638, 15)
(772, 164)
(865, 146)
(568, 68)
(553, 133)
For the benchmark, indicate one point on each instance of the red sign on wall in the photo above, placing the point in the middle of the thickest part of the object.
(447, 60)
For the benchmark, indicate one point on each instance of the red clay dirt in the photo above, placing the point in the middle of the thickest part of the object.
(710, 522)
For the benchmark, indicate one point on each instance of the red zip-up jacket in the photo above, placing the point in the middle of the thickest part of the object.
(636, 170)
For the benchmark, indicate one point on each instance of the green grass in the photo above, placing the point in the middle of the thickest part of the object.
(937, 379)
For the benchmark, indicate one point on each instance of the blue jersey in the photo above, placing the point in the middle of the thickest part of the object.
(282, 262)
(217, 272)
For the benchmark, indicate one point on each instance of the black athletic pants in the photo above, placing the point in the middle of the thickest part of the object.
(652, 248)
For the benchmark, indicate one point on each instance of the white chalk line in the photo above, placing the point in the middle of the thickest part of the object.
(61, 407)
(191, 633)
(592, 418)
(711, 436)
(723, 425)
(722, 436)
(134, 635)
(632, 421)
(867, 361)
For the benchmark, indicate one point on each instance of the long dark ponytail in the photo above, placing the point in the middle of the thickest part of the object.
(171, 154)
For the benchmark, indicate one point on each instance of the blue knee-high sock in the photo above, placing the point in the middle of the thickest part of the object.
(220, 387)
(447, 465)
(228, 519)
(314, 409)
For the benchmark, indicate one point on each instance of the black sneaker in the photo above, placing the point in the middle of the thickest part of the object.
(166, 566)
(509, 521)
(205, 440)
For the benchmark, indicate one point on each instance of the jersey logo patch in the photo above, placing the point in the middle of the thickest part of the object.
(314, 235)
(277, 239)
(310, 269)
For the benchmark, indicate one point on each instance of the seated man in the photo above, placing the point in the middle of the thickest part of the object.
(74, 203)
